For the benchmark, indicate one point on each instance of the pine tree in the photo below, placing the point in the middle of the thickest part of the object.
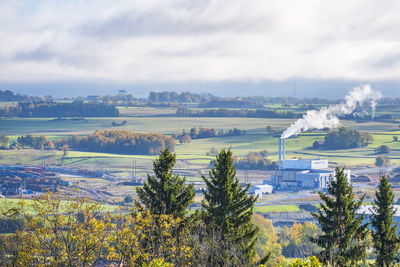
(228, 207)
(344, 234)
(166, 193)
(384, 233)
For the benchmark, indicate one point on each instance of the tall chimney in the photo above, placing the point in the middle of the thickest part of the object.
(280, 154)
(283, 153)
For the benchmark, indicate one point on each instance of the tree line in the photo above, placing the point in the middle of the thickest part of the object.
(160, 229)
(258, 113)
(255, 161)
(107, 141)
(9, 96)
(122, 142)
(178, 97)
(59, 109)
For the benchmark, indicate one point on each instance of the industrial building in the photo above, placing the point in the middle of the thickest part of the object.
(259, 190)
(295, 174)
(15, 179)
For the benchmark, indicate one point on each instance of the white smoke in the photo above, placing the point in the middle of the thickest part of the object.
(327, 117)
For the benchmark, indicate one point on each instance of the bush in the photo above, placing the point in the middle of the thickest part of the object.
(382, 149)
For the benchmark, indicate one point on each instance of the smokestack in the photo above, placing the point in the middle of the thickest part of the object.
(283, 153)
(280, 154)
(327, 117)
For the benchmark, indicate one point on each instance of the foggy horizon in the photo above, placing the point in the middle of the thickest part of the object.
(235, 48)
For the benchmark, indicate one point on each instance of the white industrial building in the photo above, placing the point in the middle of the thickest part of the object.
(302, 173)
(259, 190)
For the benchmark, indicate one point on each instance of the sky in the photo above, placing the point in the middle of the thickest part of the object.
(230, 48)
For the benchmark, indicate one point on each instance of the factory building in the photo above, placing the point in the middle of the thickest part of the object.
(260, 190)
(302, 173)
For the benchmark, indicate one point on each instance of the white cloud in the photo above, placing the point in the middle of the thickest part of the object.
(216, 40)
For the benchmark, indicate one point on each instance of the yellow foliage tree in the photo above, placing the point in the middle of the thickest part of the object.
(145, 239)
(57, 232)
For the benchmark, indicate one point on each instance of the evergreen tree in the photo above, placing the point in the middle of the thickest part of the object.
(384, 233)
(166, 193)
(344, 234)
(228, 207)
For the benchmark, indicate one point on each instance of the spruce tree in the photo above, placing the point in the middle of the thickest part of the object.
(166, 193)
(227, 207)
(343, 238)
(384, 233)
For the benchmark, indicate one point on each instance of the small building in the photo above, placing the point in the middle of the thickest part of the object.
(259, 190)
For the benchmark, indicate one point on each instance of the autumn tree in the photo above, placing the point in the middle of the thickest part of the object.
(57, 232)
(143, 239)
(228, 207)
(166, 193)
(384, 233)
(344, 235)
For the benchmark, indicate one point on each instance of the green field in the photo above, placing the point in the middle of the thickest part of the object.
(196, 151)
(193, 158)
(8, 203)
(276, 208)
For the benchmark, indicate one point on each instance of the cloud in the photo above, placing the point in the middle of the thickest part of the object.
(206, 40)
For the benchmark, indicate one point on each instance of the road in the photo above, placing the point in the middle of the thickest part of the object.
(374, 170)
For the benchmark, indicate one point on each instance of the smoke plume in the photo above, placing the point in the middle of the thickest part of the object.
(327, 117)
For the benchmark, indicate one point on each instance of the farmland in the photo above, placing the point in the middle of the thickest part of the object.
(192, 158)
(196, 152)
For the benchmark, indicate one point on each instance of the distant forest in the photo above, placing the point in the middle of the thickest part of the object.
(122, 142)
(59, 109)
(107, 141)
(258, 113)
(205, 99)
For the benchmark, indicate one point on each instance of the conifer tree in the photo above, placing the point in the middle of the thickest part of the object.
(166, 193)
(384, 233)
(344, 235)
(228, 207)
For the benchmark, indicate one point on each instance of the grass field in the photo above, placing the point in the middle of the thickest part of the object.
(196, 151)
(276, 208)
(7, 203)
(194, 157)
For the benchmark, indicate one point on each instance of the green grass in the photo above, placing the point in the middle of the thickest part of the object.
(195, 153)
(6, 203)
(276, 208)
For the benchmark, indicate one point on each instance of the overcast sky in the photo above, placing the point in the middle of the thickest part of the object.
(239, 47)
